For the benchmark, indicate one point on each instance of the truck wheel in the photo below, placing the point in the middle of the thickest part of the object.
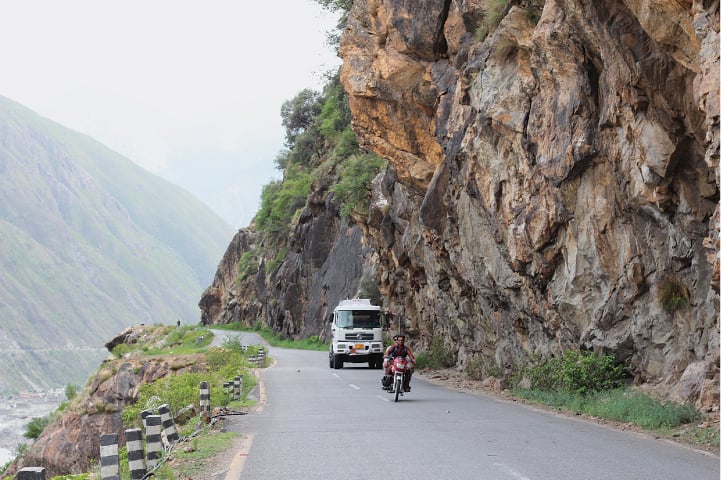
(337, 361)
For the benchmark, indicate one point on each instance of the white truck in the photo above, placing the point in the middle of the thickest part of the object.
(356, 334)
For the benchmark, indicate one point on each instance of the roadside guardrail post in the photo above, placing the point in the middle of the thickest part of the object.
(31, 473)
(144, 414)
(204, 398)
(136, 453)
(171, 433)
(237, 387)
(109, 459)
(152, 435)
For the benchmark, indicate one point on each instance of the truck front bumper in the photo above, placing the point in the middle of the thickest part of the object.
(359, 349)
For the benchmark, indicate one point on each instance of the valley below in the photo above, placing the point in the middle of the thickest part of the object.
(16, 413)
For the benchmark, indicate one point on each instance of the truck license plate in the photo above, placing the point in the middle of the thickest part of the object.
(359, 346)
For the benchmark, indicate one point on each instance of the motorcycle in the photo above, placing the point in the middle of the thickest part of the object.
(399, 369)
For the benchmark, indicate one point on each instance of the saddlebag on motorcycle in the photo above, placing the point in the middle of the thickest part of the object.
(387, 381)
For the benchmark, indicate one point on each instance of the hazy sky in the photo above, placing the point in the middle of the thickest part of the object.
(190, 90)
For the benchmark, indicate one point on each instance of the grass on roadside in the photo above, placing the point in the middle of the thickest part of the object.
(625, 405)
(181, 390)
(592, 384)
(621, 405)
(193, 457)
(199, 442)
(162, 339)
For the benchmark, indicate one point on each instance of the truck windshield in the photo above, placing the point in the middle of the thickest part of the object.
(359, 319)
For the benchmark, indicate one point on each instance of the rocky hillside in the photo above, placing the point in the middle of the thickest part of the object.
(553, 183)
(70, 444)
(91, 243)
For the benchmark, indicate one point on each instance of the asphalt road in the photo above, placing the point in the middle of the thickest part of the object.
(246, 338)
(318, 423)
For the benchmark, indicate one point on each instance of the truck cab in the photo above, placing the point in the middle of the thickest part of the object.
(356, 334)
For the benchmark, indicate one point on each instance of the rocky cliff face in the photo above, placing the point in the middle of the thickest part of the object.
(553, 183)
(557, 178)
(324, 263)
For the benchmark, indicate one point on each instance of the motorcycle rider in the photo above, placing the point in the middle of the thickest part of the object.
(400, 349)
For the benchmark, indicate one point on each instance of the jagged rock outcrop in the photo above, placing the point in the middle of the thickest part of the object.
(220, 302)
(553, 183)
(71, 444)
(550, 183)
(325, 262)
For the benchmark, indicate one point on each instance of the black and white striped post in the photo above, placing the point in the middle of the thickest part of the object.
(109, 459)
(171, 433)
(145, 413)
(228, 386)
(204, 398)
(31, 473)
(237, 387)
(136, 453)
(153, 439)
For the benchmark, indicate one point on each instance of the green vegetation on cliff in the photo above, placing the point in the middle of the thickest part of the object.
(321, 154)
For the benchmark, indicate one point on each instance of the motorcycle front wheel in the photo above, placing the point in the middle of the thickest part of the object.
(398, 386)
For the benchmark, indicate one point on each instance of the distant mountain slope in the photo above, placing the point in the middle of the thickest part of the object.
(89, 244)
